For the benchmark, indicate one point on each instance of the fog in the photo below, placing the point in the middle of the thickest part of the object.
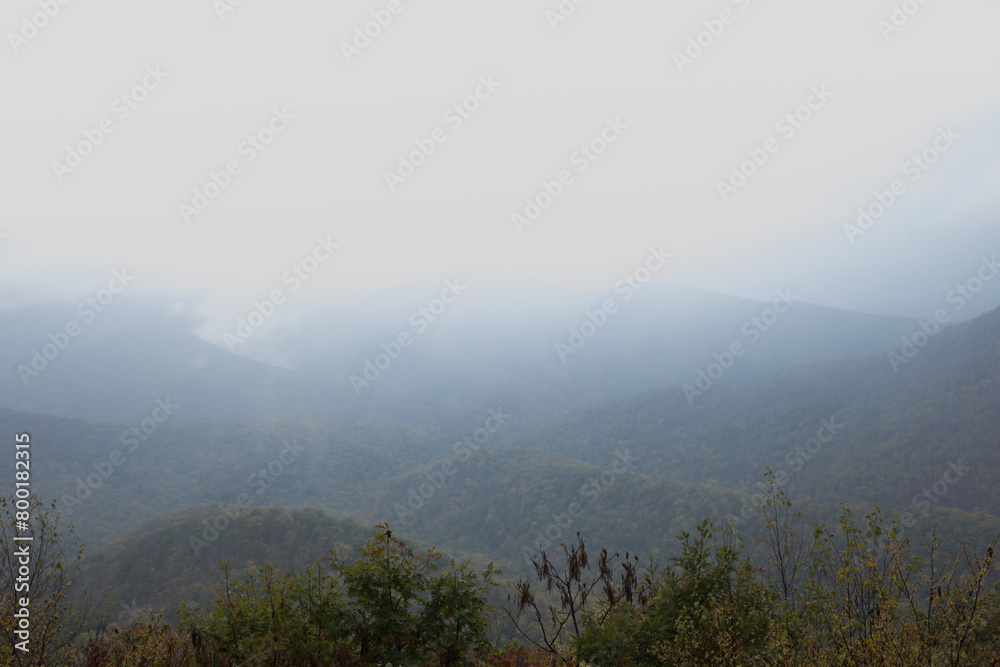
(505, 98)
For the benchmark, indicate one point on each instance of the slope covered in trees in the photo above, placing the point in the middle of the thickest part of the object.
(898, 432)
(856, 592)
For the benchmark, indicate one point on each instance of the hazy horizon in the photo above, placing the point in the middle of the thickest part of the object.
(340, 121)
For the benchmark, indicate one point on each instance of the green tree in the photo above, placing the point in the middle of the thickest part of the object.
(389, 606)
(551, 628)
(143, 643)
(708, 609)
(859, 596)
(44, 576)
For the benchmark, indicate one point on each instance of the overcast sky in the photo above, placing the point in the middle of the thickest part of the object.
(348, 111)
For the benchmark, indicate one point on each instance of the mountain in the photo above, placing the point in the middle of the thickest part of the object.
(902, 426)
(170, 560)
(321, 361)
(502, 468)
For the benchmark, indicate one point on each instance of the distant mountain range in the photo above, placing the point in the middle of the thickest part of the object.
(479, 440)
(517, 345)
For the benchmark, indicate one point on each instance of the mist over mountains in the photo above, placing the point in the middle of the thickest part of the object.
(496, 333)
(657, 381)
(534, 347)
(480, 440)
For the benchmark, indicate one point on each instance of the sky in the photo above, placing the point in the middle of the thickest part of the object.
(311, 114)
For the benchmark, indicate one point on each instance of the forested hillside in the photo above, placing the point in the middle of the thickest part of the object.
(801, 594)
(897, 433)
(175, 558)
(629, 474)
(483, 352)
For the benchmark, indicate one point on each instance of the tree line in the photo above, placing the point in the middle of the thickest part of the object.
(853, 593)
